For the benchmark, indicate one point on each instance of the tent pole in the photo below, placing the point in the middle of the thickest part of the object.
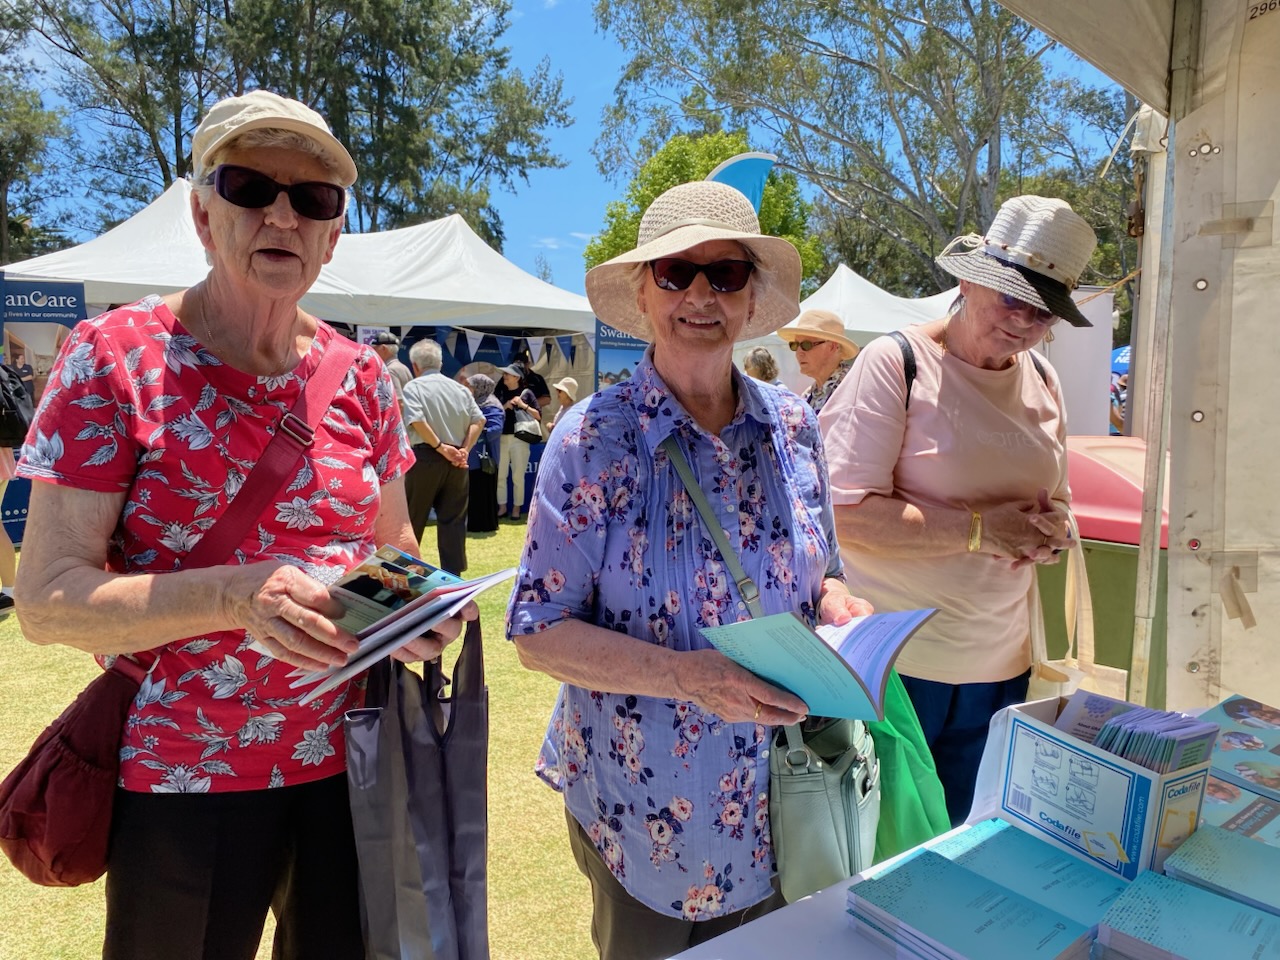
(1156, 433)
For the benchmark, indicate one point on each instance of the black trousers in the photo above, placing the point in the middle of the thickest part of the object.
(191, 876)
(482, 510)
(433, 483)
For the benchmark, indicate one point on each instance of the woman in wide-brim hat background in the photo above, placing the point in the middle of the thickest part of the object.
(823, 352)
(664, 774)
(950, 500)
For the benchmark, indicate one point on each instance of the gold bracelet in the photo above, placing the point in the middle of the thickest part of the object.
(975, 532)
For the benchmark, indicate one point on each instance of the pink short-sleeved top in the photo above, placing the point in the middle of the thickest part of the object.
(135, 404)
(971, 439)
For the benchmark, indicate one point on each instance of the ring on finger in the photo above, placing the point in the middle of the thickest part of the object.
(757, 713)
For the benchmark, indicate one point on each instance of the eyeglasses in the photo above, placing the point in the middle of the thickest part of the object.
(245, 187)
(1039, 314)
(806, 345)
(725, 276)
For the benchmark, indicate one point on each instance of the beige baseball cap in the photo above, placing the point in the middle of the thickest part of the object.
(260, 110)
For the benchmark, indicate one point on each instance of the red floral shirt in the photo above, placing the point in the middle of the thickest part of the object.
(135, 403)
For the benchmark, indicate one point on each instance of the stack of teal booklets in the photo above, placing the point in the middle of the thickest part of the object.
(1229, 864)
(1159, 918)
(992, 892)
(1161, 740)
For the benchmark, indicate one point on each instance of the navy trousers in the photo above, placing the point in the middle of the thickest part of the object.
(955, 717)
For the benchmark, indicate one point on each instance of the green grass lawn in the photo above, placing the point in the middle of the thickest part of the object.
(539, 904)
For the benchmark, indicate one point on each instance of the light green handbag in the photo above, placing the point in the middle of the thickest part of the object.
(824, 803)
(824, 781)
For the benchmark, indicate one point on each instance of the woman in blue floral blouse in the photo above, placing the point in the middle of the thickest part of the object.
(659, 742)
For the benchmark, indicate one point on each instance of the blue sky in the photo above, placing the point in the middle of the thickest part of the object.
(558, 211)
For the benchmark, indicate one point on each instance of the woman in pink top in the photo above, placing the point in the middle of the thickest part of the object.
(949, 489)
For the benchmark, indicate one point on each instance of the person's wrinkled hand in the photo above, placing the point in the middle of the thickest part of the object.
(457, 456)
(1026, 531)
(733, 693)
(290, 614)
(839, 606)
(431, 644)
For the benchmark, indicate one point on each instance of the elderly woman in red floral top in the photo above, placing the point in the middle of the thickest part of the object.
(155, 415)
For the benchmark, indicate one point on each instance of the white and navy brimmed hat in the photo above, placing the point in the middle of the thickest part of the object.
(1035, 249)
(683, 217)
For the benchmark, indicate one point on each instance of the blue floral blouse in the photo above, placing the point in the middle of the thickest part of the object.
(674, 799)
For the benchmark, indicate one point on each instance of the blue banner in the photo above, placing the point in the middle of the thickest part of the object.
(617, 354)
(42, 301)
(747, 172)
(36, 318)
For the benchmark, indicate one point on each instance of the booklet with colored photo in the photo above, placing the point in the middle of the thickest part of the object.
(391, 598)
(1234, 808)
(1247, 752)
(839, 671)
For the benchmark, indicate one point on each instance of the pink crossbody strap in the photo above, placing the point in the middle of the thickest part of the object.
(294, 433)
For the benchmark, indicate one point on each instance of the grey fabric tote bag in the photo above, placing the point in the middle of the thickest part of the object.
(417, 774)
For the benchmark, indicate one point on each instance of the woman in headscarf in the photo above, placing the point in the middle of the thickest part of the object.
(482, 509)
(658, 741)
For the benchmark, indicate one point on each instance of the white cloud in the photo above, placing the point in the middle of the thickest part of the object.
(549, 4)
(547, 243)
(584, 237)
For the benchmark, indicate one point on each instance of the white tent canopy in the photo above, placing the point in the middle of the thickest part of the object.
(436, 274)
(868, 311)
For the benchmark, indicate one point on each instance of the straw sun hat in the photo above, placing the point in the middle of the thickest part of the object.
(820, 325)
(683, 217)
(1035, 250)
(569, 386)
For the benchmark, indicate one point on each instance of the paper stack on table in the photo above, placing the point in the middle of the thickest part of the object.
(933, 908)
(1158, 918)
(1161, 740)
(1229, 864)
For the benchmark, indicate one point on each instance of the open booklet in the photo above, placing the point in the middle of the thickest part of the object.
(839, 671)
(391, 598)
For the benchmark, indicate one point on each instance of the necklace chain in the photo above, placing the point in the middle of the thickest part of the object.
(212, 337)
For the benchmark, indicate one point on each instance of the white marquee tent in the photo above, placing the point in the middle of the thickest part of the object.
(1204, 371)
(435, 274)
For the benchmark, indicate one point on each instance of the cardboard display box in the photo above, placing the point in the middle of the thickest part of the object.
(1104, 809)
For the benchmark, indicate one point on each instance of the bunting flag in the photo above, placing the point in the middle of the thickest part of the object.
(535, 349)
(747, 172)
(460, 348)
(474, 340)
(505, 346)
(441, 336)
(591, 339)
(567, 348)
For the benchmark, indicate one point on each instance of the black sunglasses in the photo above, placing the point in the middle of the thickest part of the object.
(1040, 314)
(725, 276)
(245, 187)
(806, 345)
